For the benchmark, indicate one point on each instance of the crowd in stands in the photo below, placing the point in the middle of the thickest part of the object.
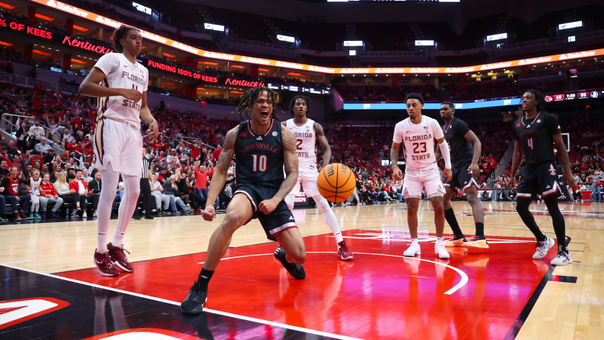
(54, 133)
(376, 93)
(53, 139)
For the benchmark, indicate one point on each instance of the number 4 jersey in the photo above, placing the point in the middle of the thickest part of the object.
(535, 136)
(418, 140)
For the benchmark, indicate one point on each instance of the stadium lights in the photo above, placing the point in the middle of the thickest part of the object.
(142, 8)
(352, 43)
(569, 25)
(214, 27)
(495, 37)
(286, 38)
(424, 43)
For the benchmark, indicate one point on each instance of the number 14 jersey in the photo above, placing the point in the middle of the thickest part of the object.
(418, 140)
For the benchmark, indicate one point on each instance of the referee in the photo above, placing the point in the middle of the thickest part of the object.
(145, 190)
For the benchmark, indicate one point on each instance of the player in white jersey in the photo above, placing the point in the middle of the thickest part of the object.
(307, 132)
(417, 133)
(121, 84)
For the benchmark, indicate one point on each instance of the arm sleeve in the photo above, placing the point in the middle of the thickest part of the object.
(108, 63)
(444, 150)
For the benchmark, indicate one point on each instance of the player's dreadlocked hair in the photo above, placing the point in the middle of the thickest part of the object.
(120, 34)
(250, 96)
(292, 104)
(538, 97)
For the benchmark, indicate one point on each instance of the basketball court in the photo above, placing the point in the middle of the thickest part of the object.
(50, 288)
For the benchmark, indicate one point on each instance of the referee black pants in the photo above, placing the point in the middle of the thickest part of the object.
(146, 196)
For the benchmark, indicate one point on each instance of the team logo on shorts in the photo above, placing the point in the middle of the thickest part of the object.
(552, 170)
(275, 133)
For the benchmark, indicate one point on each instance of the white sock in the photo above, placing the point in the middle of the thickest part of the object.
(330, 217)
(439, 239)
(110, 180)
(132, 190)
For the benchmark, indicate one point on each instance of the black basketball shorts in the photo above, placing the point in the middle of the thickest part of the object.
(278, 220)
(461, 178)
(539, 179)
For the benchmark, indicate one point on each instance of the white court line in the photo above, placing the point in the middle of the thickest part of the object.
(174, 303)
(464, 276)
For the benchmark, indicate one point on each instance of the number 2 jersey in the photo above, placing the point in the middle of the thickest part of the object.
(535, 136)
(120, 73)
(418, 140)
(305, 142)
(259, 158)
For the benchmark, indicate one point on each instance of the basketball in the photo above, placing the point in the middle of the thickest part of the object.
(336, 182)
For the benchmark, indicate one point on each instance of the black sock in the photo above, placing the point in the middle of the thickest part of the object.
(204, 277)
(557, 219)
(563, 249)
(479, 229)
(523, 210)
(450, 217)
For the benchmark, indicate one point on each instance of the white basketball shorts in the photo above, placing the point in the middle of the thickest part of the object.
(423, 178)
(307, 175)
(121, 145)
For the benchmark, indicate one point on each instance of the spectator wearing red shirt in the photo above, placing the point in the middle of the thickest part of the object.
(9, 187)
(79, 189)
(201, 180)
(49, 194)
(217, 152)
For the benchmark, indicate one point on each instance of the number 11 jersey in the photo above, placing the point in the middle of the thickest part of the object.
(418, 140)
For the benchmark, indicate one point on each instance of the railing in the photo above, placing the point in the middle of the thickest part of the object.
(31, 82)
(11, 123)
(501, 166)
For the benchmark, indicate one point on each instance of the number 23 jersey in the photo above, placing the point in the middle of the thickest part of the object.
(418, 140)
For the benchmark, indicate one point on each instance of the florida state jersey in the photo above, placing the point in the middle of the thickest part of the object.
(418, 140)
(305, 141)
(120, 73)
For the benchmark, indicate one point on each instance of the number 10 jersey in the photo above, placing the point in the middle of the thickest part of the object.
(418, 140)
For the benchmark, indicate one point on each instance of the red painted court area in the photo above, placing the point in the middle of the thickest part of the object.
(378, 295)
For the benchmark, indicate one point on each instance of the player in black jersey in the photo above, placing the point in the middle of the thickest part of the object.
(465, 152)
(534, 136)
(263, 149)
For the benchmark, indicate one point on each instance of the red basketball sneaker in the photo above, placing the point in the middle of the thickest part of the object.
(345, 254)
(104, 264)
(119, 258)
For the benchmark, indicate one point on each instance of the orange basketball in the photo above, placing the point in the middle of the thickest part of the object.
(336, 182)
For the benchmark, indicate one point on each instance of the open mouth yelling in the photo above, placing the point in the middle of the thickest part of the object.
(264, 114)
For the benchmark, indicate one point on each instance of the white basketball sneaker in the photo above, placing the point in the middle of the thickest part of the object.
(440, 250)
(543, 247)
(414, 249)
(562, 259)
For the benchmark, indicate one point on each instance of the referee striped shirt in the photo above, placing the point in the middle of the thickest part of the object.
(146, 167)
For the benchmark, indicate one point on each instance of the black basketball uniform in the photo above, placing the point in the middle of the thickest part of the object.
(462, 153)
(539, 175)
(259, 166)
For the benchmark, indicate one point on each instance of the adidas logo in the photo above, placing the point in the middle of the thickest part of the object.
(291, 217)
(259, 138)
(548, 187)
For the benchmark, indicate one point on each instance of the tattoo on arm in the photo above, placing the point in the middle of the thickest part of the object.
(290, 161)
(394, 153)
(228, 149)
